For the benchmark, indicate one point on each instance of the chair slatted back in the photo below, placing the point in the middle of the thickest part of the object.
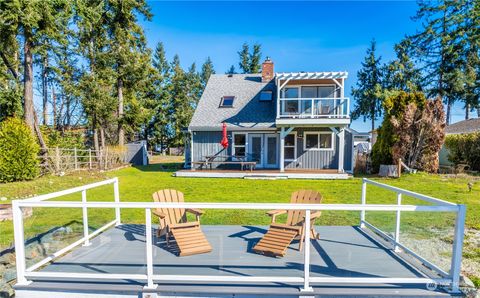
(295, 217)
(173, 216)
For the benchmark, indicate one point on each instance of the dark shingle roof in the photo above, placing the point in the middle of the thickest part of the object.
(465, 126)
(247, 111)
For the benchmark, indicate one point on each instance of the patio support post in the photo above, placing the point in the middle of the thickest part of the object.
(282, 149)
(19, 243)
(364, 202)
(341, 149)
(116, 193)
(148, 248)
(85, 219)
(306, 263)
(456, 262)
(397, 223)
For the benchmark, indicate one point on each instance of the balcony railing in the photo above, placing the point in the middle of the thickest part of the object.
(449, 279)
(314, 108)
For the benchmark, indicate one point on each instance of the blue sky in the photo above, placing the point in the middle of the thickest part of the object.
(298, 36)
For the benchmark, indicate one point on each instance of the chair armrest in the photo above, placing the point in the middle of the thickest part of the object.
(159, 213)
(276, 212)
(195, 211)
(315, 214)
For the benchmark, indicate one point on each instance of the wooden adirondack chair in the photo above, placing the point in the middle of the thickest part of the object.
(279, 236)
(173, 222)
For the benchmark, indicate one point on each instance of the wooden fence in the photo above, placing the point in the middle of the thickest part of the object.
(63, 160)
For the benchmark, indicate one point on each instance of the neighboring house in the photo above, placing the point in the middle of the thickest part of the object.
(462, 127)
(284, 121)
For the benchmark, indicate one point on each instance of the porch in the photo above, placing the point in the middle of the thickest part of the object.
(266, 174)
(342, 252)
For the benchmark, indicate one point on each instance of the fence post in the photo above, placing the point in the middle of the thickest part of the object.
(306, 262)
(364, 202)
(90, 158)
(456, 263)
(57, 160)
(399, 167)
(397, 223)
(75, 158)
(19, 243)
(116, 194)
(85, 219)
(148, 248)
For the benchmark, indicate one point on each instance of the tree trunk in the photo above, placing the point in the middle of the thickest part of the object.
(373, 124)
(467, 112)
(44, 89)
(102, 137)
(54, 108)
(28, 107)
(38, 132)
(121, 133)
(449, 108)
(68, 119)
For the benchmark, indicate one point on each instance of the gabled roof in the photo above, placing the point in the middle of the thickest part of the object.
(247, 111)
(465, 126)
(311, 75)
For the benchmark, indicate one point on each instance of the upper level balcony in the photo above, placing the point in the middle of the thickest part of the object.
(312, 99)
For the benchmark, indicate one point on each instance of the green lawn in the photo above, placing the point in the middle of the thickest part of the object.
(137, 184)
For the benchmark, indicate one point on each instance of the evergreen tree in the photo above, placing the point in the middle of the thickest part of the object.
(181, 105)
(250, 61)
(401, 73)
(368, 90)
(207, 71)
(231, 70)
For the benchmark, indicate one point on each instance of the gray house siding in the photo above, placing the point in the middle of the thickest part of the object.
(207, 143)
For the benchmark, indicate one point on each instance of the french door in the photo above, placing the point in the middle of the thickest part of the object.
(263, 149)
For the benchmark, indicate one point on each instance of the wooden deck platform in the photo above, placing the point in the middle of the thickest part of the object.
(343, 251)
(264, 174)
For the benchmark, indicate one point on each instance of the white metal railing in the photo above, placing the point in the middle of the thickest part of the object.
(451, 278)
(314, 107)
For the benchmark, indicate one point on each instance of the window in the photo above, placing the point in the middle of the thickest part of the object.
(290, 150)
(309, 92)
(227, 101)
(266, 95)
(290, 93)
(318, 141)
(239, 144)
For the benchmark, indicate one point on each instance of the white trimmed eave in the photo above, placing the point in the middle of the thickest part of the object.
(311, 75)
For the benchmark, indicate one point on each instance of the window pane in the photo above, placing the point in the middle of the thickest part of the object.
(306, 106)
(265, 95)
(309, 92)
(326, 91)
(311, 141)
(290, 153)
(291, 106)
(325, 141)
(291, 92)
(239, 139)
(239, 151)
(290, 140)
(227, 101)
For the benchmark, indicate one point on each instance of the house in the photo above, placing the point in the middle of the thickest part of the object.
(461, 127)
(283, 121)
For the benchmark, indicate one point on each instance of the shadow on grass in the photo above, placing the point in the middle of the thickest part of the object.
(161, 167)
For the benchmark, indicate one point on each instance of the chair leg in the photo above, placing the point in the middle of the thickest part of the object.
(167, 236)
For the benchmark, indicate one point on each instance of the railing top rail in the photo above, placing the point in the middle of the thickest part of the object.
(314, 98)
(57, 194)
(410, 193)
(246, 206)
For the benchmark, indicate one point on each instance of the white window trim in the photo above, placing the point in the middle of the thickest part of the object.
(318, 133)
(294, 133)
(246, 143)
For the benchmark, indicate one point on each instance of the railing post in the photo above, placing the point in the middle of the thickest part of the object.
(306, 263)
(312, 108)
(75, 156)
(148, 248)
(364, 202)
(397, 223)
(19, 243)
(456, 263)
(85, 219)
(116, 194)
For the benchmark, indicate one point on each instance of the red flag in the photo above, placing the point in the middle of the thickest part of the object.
(224, 141)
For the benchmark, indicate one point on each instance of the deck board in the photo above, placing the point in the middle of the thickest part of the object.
(342, 251)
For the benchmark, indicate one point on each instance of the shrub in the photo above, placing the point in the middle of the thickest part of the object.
(464, 148)
(67, 139)
(18, 151)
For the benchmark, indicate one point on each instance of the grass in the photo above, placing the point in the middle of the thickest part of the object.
(138, 183)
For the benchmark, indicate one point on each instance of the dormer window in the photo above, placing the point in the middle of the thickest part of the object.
(227, 101)
(266, 95)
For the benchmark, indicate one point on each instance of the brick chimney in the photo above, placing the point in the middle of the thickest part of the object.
(267, 70)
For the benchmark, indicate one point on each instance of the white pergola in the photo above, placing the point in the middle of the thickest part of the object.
(282, 79)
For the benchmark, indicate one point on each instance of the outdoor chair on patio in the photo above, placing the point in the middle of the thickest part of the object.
(279, 236)
(188, 235)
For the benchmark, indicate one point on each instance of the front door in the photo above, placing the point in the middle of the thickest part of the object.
(271, 151)
(255, 148)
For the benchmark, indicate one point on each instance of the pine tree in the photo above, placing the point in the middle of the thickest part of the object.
(255, 57)
(401, 73)
(181, 107)
(368, 90)
(250, 61)
(207, 71)
(244, 56)
(231, 70)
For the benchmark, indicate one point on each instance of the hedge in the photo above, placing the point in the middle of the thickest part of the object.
(464, 148)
